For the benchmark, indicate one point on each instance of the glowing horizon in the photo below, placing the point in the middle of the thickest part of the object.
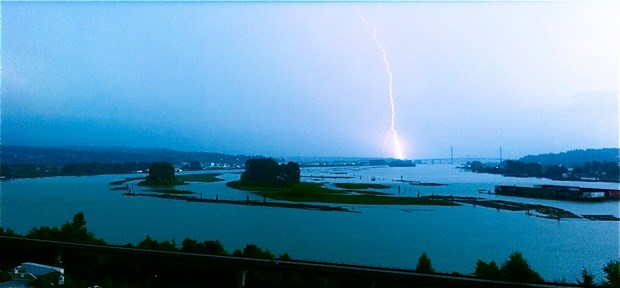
(398, 153)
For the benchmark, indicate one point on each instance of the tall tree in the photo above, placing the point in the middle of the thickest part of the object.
(261, 171)
(292, 172)
(424, 264)
(487, 270)
(612, 274)
(266, 171)
(161, 173)
(516, 268)
(587, 279)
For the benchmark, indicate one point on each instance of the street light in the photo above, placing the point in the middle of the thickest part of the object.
(149, 281)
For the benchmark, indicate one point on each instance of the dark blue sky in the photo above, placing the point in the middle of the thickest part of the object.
(308, 79)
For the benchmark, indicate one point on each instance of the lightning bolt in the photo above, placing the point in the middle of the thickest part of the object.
(398, 154)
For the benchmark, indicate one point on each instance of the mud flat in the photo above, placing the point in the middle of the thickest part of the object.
(530, 209)
(328, 177)
(263, 203)
(419, 183)
(601, 217)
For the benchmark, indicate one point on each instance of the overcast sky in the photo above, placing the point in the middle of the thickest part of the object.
(308, 79)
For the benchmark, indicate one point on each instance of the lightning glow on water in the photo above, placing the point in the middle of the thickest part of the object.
(398, 153)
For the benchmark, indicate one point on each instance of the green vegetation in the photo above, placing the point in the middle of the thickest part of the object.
(266, 178)
(424, 264)
(574, 158)
(206, 247)
(253, 251)
(161, 174)
(487, 270)
(266, 171)
(127, 270)
(180, 180)
(205, 177)
(361, 186)
(74, 231)
(515, 269)
(77, 232)
(603, 171)
(315, 192)
(131, 271)
(587, 279)
(7, 232)
(612, 274)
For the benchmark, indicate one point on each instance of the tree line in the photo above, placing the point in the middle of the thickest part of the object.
(515, 268)
(603, 171)
(59, 156)
(574, 158)
(32, 170)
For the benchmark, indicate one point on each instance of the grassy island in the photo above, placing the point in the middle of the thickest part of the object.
(267, 178)
(204, 177)
(315, 192)
(162, 174)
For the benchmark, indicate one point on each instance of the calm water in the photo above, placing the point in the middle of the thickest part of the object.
(453, 237)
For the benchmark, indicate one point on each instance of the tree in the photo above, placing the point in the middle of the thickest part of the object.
(517, 269)
(587, 279)
(555, 171)
(161, 173)
(191, 246)
(148, 243)
(253, 251)
(266, 171)
(74, 231)
(424, 264)
(612, 274)
(292, 173)
(285, 257)
(260, 171)
(7, 232)
(214, 247)
(487, 270)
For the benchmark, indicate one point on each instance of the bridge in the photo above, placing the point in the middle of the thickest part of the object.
(454, 160)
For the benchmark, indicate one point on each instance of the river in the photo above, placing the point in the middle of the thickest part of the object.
(392, 236)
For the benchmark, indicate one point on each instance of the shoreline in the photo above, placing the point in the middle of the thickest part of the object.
(264, 203)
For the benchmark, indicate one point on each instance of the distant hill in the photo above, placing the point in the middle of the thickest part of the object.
(575, 157)
(59, 156)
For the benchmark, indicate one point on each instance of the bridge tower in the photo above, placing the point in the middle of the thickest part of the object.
(451, 155)
(500, 155)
